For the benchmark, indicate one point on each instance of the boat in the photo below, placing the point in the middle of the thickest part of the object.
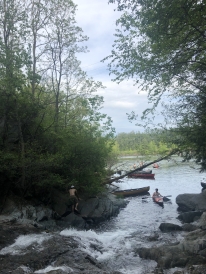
(158, 200)
(203, 185)
(146, 171)
(141, 175)
(132, 192)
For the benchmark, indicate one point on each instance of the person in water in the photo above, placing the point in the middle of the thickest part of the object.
(74, 198)
(156, 193)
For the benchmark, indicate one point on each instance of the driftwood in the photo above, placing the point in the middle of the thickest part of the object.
(109, 181)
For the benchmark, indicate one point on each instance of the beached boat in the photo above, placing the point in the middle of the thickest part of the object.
(141, 175)
(132, 192)
(158, 200)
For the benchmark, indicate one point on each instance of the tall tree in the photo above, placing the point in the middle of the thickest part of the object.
(161, 45)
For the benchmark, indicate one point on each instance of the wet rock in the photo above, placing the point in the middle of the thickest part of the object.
(189, 227)
(153, 237)
(72, 220)
(197, 269)
(167, 227)
(190, 251)
(202, 221)
(62, 253)
(189, 217)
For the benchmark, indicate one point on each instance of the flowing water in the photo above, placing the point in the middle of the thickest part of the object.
(116, 240)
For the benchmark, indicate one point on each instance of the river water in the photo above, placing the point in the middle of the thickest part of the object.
(115, 241)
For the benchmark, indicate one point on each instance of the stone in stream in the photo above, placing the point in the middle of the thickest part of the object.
(192, 202)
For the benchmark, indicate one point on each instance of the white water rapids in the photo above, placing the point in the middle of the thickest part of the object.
(115, 241)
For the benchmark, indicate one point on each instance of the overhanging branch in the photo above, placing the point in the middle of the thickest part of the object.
(140, 168)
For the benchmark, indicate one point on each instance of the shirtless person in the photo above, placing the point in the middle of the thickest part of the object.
(156, 193)
(74, 198)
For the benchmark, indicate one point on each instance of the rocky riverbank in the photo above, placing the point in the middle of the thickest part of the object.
(189, 255)
(37, 227)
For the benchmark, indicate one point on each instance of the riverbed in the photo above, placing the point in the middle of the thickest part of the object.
(114, 242)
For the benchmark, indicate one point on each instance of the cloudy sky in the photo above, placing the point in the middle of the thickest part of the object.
(97, 19)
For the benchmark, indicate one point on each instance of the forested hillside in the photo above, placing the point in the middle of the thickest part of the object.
(51, 130)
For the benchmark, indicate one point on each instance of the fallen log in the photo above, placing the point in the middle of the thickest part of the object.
(109, 181)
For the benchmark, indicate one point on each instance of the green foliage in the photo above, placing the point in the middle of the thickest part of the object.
(147, 143)
(52, 133)
(161, 45)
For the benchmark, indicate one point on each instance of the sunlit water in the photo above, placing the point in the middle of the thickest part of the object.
(116, 240)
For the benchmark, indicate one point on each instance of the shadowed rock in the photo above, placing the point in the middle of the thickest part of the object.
(167, 227)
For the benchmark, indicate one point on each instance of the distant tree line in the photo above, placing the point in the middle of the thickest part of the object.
(141, 144)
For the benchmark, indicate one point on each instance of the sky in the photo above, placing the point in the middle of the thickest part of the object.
(97, 19)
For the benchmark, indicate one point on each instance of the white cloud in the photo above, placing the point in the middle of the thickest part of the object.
(97, 19)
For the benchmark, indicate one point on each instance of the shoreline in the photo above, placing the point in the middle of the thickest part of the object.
(167, 256)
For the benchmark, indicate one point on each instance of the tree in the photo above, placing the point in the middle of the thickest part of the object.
(161, 45)
(51, 130)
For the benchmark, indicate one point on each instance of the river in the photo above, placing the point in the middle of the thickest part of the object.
(134, 226)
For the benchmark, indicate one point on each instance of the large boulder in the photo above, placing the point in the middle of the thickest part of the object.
(192, 202)
(101, 208)
(72, 220)
(97, 209)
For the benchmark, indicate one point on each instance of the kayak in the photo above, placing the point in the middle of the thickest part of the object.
(158, 200)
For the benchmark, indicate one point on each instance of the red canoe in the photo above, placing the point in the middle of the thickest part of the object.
(158, 200)
(142, 175)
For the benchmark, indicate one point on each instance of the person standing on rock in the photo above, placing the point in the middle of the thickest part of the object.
(74, 198)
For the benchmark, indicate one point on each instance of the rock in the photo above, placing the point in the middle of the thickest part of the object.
(93, 211)
(60, 202)
(101, 208)
(190, 251)
(202, 221)
(192, 202)
(189, 227)
(72, 220)
(189, 217)
(97, 209)
(167, 227)
(56, 254)
(153, 237)
(197, 269)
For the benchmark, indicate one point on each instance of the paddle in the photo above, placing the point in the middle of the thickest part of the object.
(151, 197)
